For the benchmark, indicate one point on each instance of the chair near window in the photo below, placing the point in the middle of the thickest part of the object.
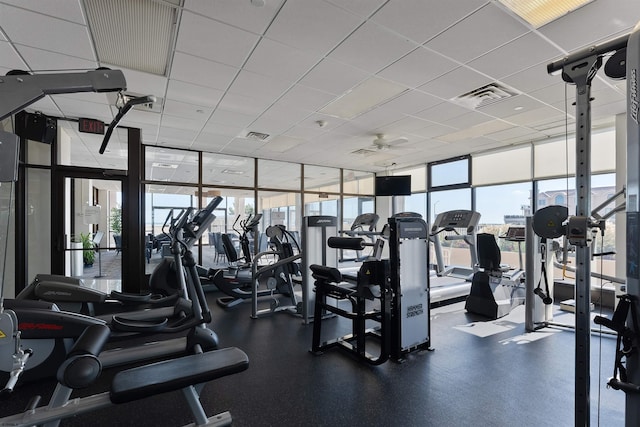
(217, 244)
(117, 238)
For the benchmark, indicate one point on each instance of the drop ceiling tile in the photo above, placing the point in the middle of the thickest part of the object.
(143, 83)
(305, 98)
(433, 130)
(193, 94)
(372, 48)
(190, 69)
(511, 106)
(182, 123)
(363, 8)
(45, 32)
(537, 50)
(69, 10)
(304, 132)
(510, 134)
(536, 116)
(178, 138)
(467, 120)
(245, 105)
(39, 59)
(531, 79)
(442, 112)
(418, 67)
(280, 61)
(330, 123)
(411, 102)
(190, 111)
(240, 14)
(283, 143)
(46, 106)
(223, 129)
(554, 93)
(597, 21)
(258, 87)
(333, 77)
(98, 98)
(10, 60)
(232, 118)
(144, 117)
(455, 83)
(206, 38)
(420, 20)
(375, 119)
(75, 108)
(312, 25)
(470, 38)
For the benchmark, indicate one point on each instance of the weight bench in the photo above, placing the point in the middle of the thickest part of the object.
(82, 367)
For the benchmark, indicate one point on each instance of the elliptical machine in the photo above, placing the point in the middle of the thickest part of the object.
(40, 342)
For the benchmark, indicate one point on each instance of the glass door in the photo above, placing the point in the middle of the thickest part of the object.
(93, 230)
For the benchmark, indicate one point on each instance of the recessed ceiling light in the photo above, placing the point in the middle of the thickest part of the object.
(541, 12)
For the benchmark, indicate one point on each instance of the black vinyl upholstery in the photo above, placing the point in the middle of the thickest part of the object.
(488, 252)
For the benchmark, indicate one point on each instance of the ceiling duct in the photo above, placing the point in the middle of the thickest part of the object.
(485, 95)
(134, 34)
(364, 152)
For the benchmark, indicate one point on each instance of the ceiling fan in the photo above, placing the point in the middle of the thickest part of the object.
(381, 143)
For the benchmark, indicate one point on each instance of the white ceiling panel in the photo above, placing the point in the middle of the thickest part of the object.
(511, 106)
(258, 87)
(509, 58)
(363, 8)
(467, 120)
(222, 129)
(455, 83)
(280, 61)
(75, 108)
(231, 45)
(182, 109)
(176, 137)
(531, 79)
(193, 94)
(333, 77)
(237, 67)
(231, 118)
(46, 106)
(420, 20)
(10, 59)
(240, 14)
(418, 67)
(45, 32)
(372, 48)
(188, 68)
(571, 33)
(177, 122)
(144, 83)
(69, 10)
(312, 25)
(305, 98)
(411, 102)
(456, 42)
(442, 112)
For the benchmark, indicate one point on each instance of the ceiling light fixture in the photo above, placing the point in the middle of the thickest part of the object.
(541, 12)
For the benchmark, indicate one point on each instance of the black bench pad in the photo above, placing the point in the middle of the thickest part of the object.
(175, 374)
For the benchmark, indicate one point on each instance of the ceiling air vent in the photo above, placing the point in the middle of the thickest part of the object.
(257, 136)
(485, 95)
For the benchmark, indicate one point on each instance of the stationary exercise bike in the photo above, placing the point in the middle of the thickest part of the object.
(492, 293)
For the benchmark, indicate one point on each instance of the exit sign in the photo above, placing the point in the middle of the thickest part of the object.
(91, 126)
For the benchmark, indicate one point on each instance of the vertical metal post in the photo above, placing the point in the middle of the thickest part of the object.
(632, 404)
(581, 73)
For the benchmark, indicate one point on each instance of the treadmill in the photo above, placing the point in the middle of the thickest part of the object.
(449, 282)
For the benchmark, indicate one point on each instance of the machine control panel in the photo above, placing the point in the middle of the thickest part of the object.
(456, 219)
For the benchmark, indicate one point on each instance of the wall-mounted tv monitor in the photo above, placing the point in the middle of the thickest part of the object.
(398, 185)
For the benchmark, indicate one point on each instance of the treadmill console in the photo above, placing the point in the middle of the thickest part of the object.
(515, 234)
(456, 219)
